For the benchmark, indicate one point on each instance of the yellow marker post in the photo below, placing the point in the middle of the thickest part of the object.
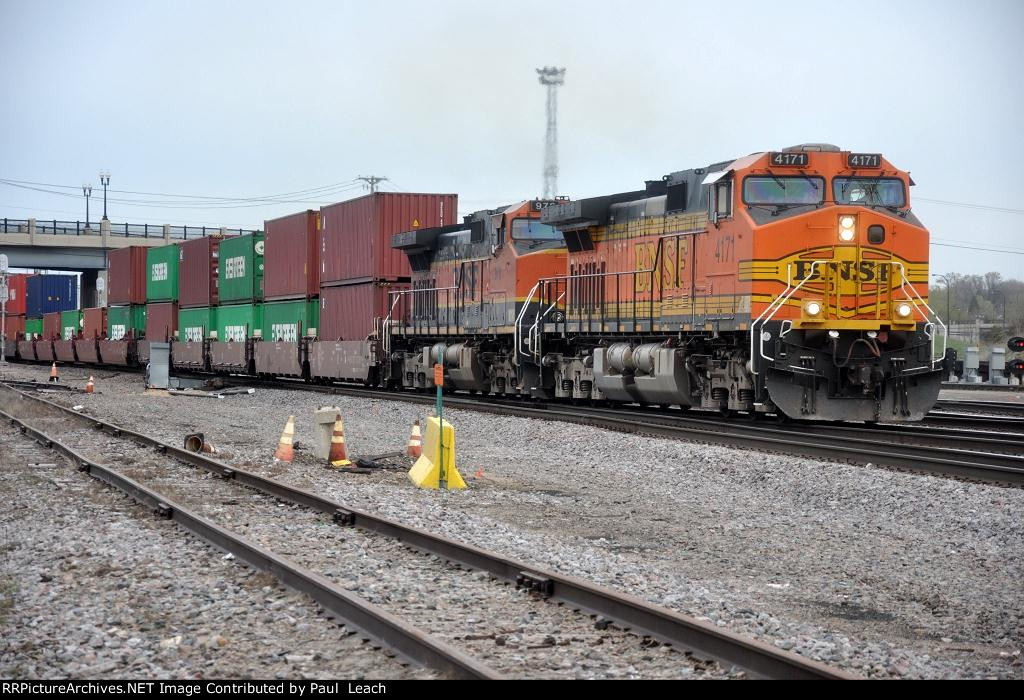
(436, 466)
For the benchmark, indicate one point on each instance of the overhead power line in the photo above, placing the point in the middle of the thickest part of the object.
(968, 205)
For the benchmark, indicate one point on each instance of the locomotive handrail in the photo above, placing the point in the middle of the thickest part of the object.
(773, 308)
(517, 331)
(532, 340)
(398, 294)
(904, 284)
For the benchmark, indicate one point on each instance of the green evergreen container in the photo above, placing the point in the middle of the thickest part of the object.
(121, 319)
(238, 321)
(240, 269)
(194, 325)
(33, 326)
(290, 320)
(162, 273)
(70, 324)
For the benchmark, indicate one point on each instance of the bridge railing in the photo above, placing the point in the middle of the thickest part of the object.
(78, 228)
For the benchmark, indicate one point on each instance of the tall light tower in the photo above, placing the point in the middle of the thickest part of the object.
(551, 77)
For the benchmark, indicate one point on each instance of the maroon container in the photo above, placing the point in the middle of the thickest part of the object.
(355, 236)
(13, 325)
(197, 272)
(94, 323)
(51, 326)
(291, 261)
(354, 311)
(161, 321)
(126, 278)
(16, 294)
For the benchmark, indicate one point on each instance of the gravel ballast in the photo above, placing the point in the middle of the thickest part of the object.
(93, 586)
(880, 572)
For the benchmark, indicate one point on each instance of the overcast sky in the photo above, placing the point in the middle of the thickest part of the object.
(247, 99)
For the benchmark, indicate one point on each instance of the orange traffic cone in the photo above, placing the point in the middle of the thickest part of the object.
(53, 374)
(89, 386)
(285, 452)
(415, 446)
(338, 456)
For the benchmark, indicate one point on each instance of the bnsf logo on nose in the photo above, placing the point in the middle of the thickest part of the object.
(864, 271)
(159, 272)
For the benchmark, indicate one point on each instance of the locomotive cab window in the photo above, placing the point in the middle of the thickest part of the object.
(869, 191)
(774, 190)
(534, 230)
(721, 200)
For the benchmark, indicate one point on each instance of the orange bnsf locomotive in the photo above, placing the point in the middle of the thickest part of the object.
(791, 282)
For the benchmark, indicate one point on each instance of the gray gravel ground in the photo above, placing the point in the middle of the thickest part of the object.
(513, 632)
(92, 586)
(881, 572)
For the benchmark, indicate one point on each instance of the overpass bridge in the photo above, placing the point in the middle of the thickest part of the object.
(75, 246)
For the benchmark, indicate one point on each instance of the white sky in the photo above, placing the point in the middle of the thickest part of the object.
(244, 99)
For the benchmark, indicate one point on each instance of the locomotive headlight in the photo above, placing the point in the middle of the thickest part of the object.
(833, 334)
(812, 308)
(904, 310)
(847, 228)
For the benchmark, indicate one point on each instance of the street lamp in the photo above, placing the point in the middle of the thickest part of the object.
(86, 190)
(104, 180)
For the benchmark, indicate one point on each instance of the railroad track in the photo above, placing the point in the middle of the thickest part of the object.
(999, 408)
(975, 453)
(982, 448)
(324, 549)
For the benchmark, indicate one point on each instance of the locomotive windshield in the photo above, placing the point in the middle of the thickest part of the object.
(772, 190)
(869, 191)
(534, 230)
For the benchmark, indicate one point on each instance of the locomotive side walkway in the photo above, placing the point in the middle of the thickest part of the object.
(886, 573)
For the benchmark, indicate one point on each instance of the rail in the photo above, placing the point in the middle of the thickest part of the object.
(705, 640)
(51, 227)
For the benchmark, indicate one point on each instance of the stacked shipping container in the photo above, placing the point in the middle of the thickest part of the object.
(48, 293)
(358, 266)
(126, 293)
(15, 320)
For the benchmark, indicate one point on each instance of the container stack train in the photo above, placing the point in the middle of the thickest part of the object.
(791, 283)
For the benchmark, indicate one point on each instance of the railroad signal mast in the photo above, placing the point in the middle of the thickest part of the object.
(552, 78)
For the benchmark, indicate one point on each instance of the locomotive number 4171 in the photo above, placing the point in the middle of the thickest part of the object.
(790, 160)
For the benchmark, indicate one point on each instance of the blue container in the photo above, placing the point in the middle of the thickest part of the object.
(45, 294)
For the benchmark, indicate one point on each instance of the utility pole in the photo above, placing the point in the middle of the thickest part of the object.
(104, 180)
(372, 181)
(551, 78)
(87, 190)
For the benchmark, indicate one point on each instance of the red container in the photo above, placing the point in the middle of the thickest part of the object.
(291, 261)
(126, 277)
(94, 323)
(16, 294)
(51, 326)
(197, 272)
(354, 311)
(161, 321)
(13, 325)
(355, 236)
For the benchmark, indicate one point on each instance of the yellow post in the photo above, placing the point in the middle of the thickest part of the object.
(438, 455)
